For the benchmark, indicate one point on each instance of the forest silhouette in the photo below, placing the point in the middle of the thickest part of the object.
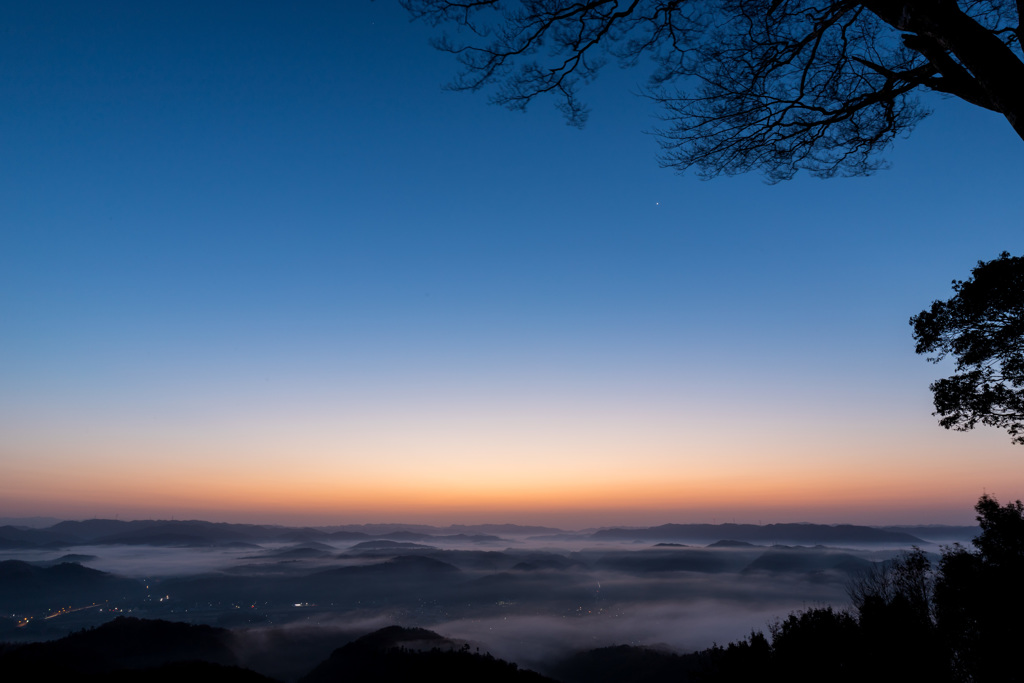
(958, 623)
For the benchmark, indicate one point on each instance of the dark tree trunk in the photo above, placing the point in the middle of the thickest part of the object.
(996, 70)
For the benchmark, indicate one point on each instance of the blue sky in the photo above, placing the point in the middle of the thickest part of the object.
(256, 246)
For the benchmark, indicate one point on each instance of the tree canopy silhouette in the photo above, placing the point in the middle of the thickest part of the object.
(982, 326)
(769, 85)
(979, 596)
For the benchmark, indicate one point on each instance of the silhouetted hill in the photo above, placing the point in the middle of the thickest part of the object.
(401, 578)
(124, 643)
(473, 559)
(939, 533)
(175, 533)
(673, 559)
(805, 534)
(501, 529)
(410, 567)
(472, 538)
(786, 559)
(186, 533)
(381, 530)
(29, 522)
(540, 560)
(388, 545)
(348, 536)
(311, 550)
(304, 535)
(12, 537)
(731, 544)
(201, 534)
(70, 557)
(198, 533)
(91, 529)
(404, 654)
(129, 649)
(26, 587)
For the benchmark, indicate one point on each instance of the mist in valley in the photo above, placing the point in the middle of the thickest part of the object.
(291, 596)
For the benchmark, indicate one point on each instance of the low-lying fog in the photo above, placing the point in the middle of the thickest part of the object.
(526, 600)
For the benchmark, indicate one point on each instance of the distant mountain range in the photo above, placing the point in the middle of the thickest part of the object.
(195, 533)
(813, 534)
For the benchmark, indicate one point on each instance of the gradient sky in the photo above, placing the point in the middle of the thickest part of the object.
(255, 265)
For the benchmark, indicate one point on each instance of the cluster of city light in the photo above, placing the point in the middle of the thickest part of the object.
(69, 609)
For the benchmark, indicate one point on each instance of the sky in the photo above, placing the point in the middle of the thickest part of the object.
(257, 265)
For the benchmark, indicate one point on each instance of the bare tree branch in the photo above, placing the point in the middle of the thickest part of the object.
(771, 85)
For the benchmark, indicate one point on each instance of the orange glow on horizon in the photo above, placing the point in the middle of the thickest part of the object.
(574, 481)
(605, 497)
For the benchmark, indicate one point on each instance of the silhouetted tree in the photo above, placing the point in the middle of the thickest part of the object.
(772, 85)
(894, 611)
(746, 660)
(983, 328)
(818, 644)
(904, 583)
(961, 622)
(979, 597)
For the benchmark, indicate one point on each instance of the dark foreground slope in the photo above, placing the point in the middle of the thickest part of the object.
(128, 649)
(406, 654)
